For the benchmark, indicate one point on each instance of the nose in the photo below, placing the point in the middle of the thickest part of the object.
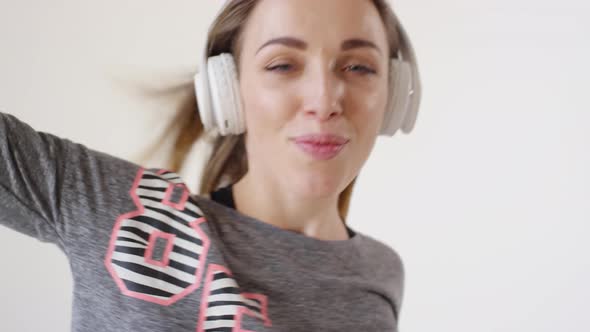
(325, 91)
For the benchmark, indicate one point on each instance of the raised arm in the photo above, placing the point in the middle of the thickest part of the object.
(50, 186)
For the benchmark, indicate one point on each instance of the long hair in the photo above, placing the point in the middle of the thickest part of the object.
(228, 160)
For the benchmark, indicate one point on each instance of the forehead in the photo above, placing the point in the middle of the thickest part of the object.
(321, 23)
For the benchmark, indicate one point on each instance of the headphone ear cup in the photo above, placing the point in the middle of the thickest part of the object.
(235, 106)
(413, 106)
(397, 107)
(203, 96)
(225, 95)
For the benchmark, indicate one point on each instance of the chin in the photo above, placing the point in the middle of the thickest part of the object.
(316, 184)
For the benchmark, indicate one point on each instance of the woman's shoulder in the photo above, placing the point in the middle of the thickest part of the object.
(379, 252)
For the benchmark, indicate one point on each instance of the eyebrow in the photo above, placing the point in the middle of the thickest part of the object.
(301, 45)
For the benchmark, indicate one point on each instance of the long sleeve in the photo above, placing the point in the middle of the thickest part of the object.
(48, 183)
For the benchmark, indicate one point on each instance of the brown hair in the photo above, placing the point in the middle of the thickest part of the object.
(228, 161)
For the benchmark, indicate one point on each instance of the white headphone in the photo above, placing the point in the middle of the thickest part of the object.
(220, 104)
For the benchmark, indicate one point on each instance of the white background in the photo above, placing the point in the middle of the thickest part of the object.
(487, 201)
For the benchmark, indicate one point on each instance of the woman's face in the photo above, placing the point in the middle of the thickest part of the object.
(325, 73)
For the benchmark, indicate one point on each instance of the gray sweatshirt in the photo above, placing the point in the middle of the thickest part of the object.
(148, 255)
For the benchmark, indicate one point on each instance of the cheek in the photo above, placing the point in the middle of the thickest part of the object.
(255, 103)
(267, 111)
(366, 116)
(367, 111)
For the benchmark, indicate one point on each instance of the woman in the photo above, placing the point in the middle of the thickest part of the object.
(264, 246)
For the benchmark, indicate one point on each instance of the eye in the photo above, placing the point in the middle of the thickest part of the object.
(279, 68)
(363, 70)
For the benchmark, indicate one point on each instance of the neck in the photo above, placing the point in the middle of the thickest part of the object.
(268, 201)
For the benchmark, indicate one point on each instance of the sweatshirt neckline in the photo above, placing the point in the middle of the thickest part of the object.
(279, 236)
